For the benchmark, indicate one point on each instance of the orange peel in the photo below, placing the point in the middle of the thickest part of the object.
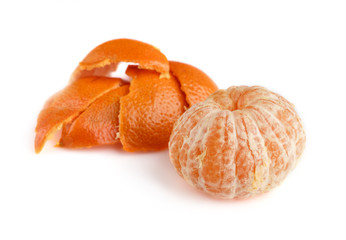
(149, 111)
(67, 104)
(98, 124)
(196, 85)
(105, 58)
(95, 109)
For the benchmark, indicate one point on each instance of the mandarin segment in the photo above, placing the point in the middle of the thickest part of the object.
(98, 124)
(148, 112)
(196, 85)
(276, 144)
(67, 104)
(216, 169)
(238, 143)
(177, 138)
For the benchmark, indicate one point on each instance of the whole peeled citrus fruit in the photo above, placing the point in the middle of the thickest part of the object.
(238, 143)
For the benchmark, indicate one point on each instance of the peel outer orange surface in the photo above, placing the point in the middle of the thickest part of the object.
(66, 105)
(194, 83)
(238, 143)
(98, 124)
(149, 111)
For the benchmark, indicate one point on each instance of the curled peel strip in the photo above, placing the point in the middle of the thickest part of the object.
(105, 58)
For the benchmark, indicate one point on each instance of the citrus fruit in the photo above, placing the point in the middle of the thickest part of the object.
(238, 143)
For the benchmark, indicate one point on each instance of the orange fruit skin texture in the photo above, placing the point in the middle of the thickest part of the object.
(95, 109)
(67, 104)
(238, 143)
(148, 113)
(98, 124)
(194, 83)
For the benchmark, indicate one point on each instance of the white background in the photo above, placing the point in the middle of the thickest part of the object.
(295, 48)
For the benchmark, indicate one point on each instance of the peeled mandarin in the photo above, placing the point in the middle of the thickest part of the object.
(238, 143)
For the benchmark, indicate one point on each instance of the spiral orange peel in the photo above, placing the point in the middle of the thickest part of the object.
(96, 109)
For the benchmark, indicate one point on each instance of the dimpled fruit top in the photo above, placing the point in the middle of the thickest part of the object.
(238, 143)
